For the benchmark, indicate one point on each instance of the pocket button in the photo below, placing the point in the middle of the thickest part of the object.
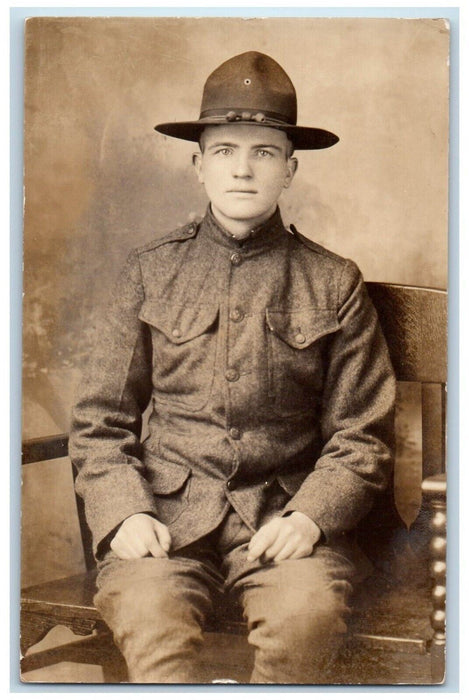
(232, 375)
(236, 315)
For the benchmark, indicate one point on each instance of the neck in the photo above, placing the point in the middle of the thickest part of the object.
(241, 229)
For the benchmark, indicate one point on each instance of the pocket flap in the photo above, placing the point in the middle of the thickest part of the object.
(178, 323)
(169, 478)
(292, 482)
(302, 327)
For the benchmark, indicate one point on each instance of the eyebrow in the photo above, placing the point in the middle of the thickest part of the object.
(235, 145)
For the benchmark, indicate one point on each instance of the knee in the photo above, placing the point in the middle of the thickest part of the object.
(311, 613)
(302, 614)
(148, 590)
(135, 605)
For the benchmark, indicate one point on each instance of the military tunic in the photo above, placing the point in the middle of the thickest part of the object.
(263, 363)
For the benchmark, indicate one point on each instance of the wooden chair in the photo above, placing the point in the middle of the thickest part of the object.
(414, 323)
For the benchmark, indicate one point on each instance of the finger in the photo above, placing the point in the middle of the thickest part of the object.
(281, 541)
(147, 543)
(257, 547)
(261, 541)
(162, 533)
(288, 551)
(133, 541)
(157, 551)
(153, 546)
(123, 549)
(139, 547)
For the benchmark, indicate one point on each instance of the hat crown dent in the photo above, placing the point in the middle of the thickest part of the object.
(252, 82)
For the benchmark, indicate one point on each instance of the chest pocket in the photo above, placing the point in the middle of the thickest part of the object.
(184, 352)
(296, 357)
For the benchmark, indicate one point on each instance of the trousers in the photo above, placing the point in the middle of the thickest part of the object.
(296, 610)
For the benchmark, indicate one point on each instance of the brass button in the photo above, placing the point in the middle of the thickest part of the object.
(231, 484)
(235, 433)
(176, 333)
(236, 259)
(300, 338)
(232, 375)
(236, 315)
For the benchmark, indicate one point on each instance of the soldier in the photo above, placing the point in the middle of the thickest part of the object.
(271, 415)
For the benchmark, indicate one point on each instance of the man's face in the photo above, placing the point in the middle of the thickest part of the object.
(244, 169)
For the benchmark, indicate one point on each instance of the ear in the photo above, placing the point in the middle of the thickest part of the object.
(197, 163)
(292, 166)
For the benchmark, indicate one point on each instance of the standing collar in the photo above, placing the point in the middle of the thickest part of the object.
(261, 237)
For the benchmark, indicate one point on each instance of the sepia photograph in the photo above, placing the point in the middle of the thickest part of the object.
(235, 247)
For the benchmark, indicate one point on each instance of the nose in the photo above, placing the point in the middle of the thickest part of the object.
(241, 166)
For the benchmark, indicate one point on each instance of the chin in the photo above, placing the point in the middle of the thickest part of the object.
(243, 213)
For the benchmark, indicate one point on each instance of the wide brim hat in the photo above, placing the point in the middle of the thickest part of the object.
(250, 88)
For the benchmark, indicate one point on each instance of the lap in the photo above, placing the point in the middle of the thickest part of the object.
(226, 568)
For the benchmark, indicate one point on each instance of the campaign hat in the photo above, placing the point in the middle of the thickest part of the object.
(250, 88)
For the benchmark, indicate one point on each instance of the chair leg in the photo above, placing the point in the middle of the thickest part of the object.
(438, 572)
(33, 628)
(115, 668)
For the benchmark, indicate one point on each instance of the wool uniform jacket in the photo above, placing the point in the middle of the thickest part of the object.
(268, 378)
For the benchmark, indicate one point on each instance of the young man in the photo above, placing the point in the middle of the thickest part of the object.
(272, 410)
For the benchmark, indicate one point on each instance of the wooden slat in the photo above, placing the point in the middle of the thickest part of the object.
(73, 592)
(44, 448)
(404, 644)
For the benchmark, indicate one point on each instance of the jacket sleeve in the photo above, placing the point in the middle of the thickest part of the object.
(357, 419)
(107, 418)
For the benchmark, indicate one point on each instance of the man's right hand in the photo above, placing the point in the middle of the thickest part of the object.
(140, 535)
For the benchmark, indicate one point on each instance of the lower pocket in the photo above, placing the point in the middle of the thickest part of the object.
(171, 486)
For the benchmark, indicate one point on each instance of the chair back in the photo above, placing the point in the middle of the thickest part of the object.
(414, 323)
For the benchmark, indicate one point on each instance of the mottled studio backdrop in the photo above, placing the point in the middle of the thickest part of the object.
(99, 180)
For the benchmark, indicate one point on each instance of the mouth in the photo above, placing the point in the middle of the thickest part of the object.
(242, 191)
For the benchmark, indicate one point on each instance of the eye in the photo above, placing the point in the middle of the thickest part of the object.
(262, 153)
(224, 151)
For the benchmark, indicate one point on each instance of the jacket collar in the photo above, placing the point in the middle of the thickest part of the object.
(261, 238)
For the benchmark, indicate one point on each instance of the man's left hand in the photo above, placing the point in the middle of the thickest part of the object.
(290, 537)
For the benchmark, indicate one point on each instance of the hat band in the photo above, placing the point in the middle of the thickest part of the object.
(237, 114)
